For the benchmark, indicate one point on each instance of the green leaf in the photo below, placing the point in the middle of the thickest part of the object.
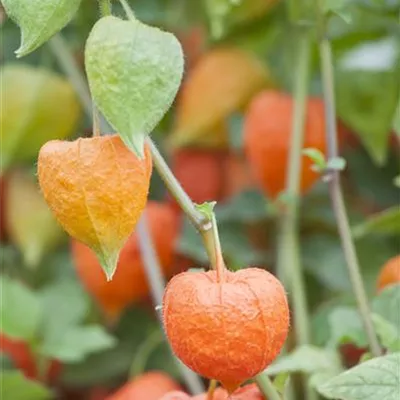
(74, 344)
(207, 209)
(6, 363)
(37, 106)
(373, 185)
(388, 334)
(367, 97)
(346, 326)
(227, 15)
(109, 365)
(20, 310)
(323, 257)
(317, 156)
(247, 206)
(307, 359)
(338, 7)
(281, 381)
(374, 379)
(134, 73)
(386, 222)
(16, 387)
(387, 305)
(65, 305)
(39, 20)
(320, 325)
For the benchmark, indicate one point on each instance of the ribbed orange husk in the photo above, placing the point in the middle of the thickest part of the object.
(96, 188)
(229, 330)
(390, 273)
(129, 283)
(149, 386)
(267, 139)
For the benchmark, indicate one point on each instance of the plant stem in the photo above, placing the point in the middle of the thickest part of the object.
(289, 251)
(337, 200)
(68, 64)
(127, 9)
(145, 350)
(205, 224)
(211, 389)
(267, 387)
(198, 219)
(289, 255)
(156, 283)
(105, 7)
(62, 52)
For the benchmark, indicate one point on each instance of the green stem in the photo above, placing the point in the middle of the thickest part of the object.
(144, 352)
(63, 54)
(68, 64)
(128, 10)
(289, 255)
(105, 7)
(288, 250)
(156, 283)
(198, 219)
(337, 200)
(267, 388)
(205, 224)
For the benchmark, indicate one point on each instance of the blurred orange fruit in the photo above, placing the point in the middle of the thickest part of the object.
(248, 392)
(237, 176)
(129, 283)
(149, 386)
(97, 189)
(222, 82)
(238, 328)
(200, 172)
(267, 139)
(390, 273)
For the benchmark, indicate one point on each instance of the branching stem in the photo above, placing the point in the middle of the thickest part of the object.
(335, 189)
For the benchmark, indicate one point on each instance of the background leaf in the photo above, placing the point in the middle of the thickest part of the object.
(15, 386)
(20, 310)
(374, 379)
(367, 94)
(307, 359)
(386, 222)
(75, 343)
(48, 110)
(64, 305)
(39, 20)
(27, 210)
(387, 305)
